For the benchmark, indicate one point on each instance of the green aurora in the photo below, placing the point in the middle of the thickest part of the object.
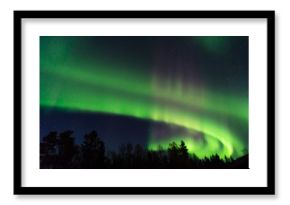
(72, 80)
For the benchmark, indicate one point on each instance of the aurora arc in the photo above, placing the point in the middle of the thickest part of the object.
(69, 83)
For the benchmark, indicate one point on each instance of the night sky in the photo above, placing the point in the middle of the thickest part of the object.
(150, 90)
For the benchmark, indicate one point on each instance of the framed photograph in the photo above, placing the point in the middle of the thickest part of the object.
(144, 102)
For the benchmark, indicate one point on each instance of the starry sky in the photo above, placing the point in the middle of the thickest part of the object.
(148, 90)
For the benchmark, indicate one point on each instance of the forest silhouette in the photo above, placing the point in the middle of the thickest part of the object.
(59, 151)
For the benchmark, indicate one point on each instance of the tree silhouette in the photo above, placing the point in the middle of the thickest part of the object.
(61, 152)
(48, 150)
(138, 156)
(173, 154)
(162, 157)
(49, 143)
(183, 155)
(183, 150)
(129, 155)
(66, 148)
(93, 150)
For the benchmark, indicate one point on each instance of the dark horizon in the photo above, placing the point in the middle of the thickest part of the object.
(59, 151)
(98, 122)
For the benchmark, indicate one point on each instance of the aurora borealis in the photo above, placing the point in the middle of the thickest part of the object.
(186, 88)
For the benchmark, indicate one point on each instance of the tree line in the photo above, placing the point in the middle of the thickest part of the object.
(59, 151)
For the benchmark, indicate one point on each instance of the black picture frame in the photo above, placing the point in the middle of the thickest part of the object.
(269, 189)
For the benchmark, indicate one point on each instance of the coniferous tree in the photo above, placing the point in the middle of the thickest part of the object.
(93, 151)
(60, 151)
(48, 150)
(173, 154)
(183, 150)
(66, 149)
(138, 156)
(183, 155)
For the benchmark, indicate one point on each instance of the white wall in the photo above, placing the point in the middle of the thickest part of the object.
(282, 99)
